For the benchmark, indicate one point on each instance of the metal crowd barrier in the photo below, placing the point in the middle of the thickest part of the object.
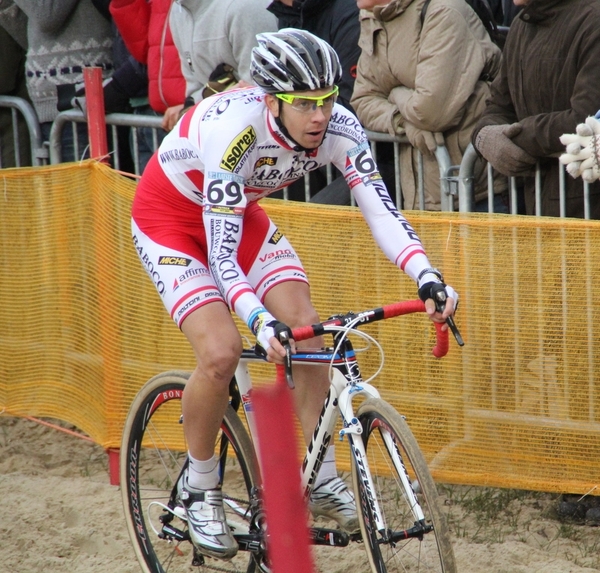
(51, 150)
(456, 181)
(17, 105)
(136, 122)
(444, 164)
(466, 188)
(113, 120)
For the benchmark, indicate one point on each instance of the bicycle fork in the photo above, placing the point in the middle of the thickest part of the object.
(371, 507)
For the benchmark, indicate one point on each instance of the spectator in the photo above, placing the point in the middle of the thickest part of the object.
(549, 82)
(215, 39)
(336, 22)
(128, 83)
(509, 11)
(13, 46)
(145, 29)
(425, 76)
(503, 11)
(64, 37)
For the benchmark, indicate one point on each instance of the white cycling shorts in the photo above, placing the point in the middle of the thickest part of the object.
(169, 237)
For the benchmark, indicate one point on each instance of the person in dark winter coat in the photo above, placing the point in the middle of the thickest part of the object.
(336, 22)
(13, 47)
(549, 82)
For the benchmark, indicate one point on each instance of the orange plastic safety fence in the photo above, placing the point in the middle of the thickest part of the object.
(82, 328)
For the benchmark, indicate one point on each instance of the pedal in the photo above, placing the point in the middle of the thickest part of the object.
(170, 533)
(332, 537)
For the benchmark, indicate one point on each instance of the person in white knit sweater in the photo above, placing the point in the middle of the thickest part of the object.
(64, 37)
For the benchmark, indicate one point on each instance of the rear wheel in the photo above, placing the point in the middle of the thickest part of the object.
(392, 450)
(153, 453)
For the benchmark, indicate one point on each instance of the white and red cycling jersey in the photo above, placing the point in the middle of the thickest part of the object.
(197, 226)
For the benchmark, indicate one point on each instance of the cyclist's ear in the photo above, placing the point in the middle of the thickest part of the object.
(273, 104)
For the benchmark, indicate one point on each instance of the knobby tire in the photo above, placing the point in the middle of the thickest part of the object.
(153, 452)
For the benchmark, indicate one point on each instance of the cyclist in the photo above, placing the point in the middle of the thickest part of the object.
(209, 247)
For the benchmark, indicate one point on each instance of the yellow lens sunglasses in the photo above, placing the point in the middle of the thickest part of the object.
(309, 104)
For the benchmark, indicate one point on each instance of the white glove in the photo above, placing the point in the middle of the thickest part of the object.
(263, 326)
(582, 150)
(451, 293)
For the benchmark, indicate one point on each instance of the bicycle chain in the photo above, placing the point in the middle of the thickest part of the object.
(242, 502)
(223, 570)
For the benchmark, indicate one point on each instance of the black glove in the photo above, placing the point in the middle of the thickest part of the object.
(72, 96)
(495, 143)
(264, 326)
(431, 285)
(435, 291)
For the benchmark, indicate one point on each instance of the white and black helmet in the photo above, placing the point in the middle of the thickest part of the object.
(293, 60)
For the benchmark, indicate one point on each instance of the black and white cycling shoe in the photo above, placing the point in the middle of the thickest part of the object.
(207, 525)
(333, 499)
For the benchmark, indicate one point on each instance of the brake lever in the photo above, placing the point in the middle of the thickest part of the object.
(284, 338)
(440, 305)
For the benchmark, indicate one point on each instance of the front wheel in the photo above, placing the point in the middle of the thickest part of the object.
(405, 543)
(153, 453)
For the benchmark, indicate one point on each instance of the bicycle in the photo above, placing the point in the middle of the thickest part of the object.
(401, 525)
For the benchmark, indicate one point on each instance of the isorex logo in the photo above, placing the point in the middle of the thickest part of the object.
(238, 147)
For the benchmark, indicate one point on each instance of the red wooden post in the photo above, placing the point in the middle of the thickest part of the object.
(94, 97)
(96, 120)
(286, 512)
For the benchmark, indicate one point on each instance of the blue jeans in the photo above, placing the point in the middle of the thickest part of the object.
(145, 142)
(69, 152)
(500, 205)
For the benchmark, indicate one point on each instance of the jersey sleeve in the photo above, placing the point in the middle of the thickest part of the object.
(351, 154)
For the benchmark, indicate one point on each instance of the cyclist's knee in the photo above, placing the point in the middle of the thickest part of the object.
(290, 302)
(304, 319)
(218, 358)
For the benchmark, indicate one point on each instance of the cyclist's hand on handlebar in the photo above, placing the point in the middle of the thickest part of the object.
(276, 351)
(268, 333)
(440, 311)
(440, 299)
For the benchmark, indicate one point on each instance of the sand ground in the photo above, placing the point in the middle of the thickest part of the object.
(60, 514)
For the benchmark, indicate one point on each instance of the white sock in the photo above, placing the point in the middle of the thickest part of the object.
(203, 474)
(328, 468)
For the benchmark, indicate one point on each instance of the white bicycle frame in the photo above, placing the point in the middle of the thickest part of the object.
(339, 401)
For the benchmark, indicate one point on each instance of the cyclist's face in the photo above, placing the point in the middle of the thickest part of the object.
(305, 120)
